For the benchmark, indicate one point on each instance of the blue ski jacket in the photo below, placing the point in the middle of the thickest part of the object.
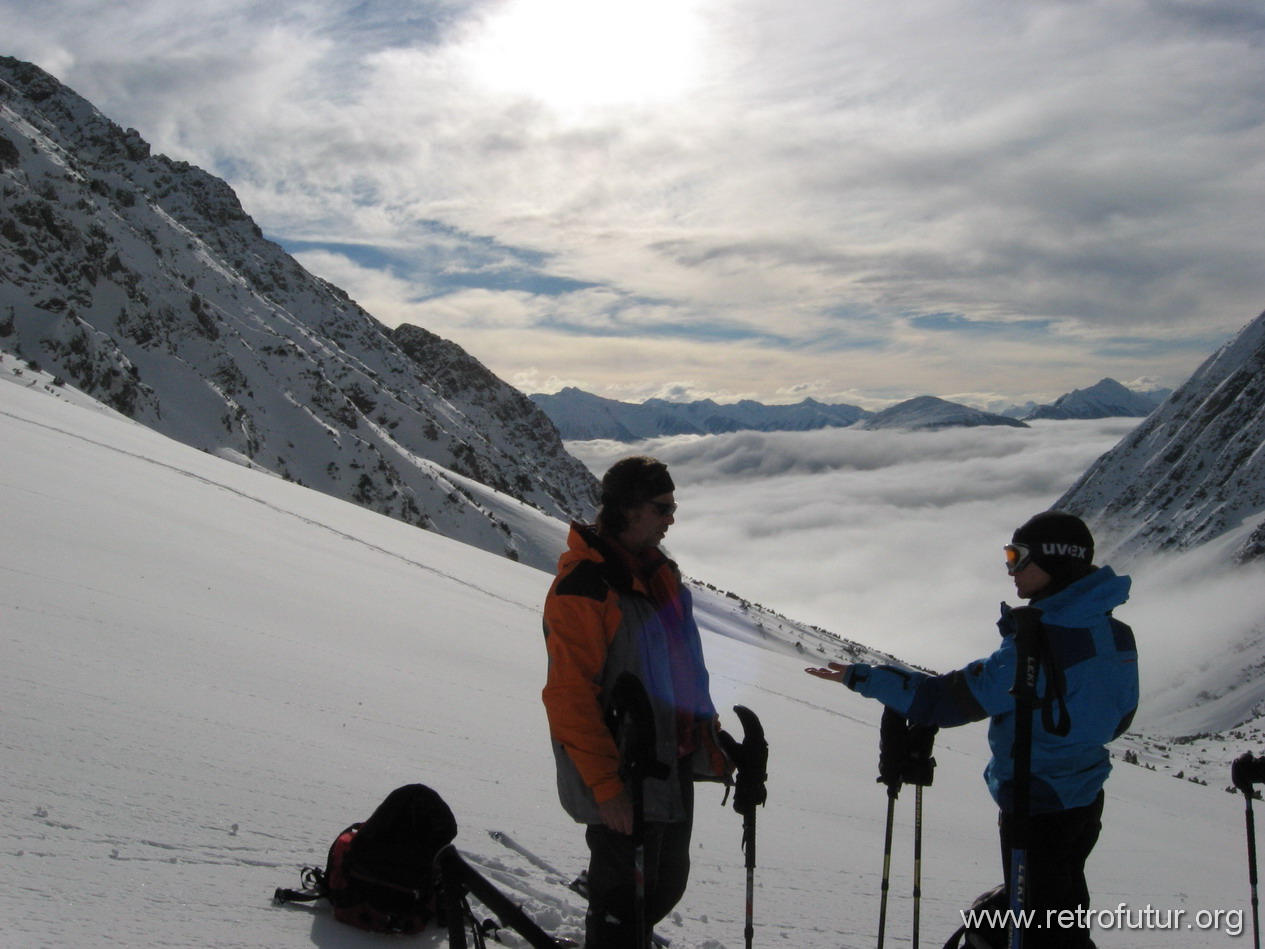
(1098, 658)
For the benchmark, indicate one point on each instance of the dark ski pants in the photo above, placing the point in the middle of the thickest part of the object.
(1058, 846)
(612, 920)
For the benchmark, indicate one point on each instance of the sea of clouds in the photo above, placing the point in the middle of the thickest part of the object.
(894, 538)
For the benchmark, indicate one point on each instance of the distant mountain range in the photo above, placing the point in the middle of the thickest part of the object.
(581, 416)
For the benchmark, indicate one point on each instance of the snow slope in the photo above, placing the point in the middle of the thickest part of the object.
(208, 672)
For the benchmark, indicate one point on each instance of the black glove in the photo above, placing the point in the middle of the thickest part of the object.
(751, 758)
(904, 752)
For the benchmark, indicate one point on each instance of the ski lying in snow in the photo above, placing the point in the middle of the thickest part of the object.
(541, 864)
(579, 884)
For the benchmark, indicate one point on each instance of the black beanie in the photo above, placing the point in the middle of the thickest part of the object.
(633, 480)
(1059, 543)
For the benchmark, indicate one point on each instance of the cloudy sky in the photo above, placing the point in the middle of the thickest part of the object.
(855, 201)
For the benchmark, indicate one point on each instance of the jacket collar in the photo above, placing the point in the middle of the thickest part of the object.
(617, 564)
(1079, 603)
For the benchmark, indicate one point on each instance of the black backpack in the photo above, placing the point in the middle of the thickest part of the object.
(380, 873)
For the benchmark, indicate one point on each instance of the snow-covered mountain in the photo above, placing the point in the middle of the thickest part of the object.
(1185, 491)
(143, 282)
(1105, 399)
(209, 672)
(927, 413)
(581, 416)
(1194, 471)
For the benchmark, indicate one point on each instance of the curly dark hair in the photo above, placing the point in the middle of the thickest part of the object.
(629, 482)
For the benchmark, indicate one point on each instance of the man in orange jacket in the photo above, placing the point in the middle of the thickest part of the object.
(618, 605)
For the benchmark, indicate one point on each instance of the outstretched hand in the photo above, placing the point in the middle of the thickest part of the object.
(835, 672)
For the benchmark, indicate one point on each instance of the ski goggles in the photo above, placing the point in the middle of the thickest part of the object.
(1018, 556)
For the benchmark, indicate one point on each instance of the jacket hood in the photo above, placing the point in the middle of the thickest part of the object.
(1091, 596)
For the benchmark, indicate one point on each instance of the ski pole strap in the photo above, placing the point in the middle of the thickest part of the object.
(920, 767)
(283, 895)
(1055, 689)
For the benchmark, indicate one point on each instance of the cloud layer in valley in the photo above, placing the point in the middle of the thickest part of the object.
(894, 539)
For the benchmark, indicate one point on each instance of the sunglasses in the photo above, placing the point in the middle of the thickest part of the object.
(1018, 556)
(664, 508)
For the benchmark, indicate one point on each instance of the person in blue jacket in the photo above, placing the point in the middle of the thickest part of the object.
(1050, 560)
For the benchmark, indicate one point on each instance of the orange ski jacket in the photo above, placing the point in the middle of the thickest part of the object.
(603, 617)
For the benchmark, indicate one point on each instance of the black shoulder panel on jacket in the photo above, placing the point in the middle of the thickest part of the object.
(1123, 636)
(1071, 645)
(587, 579)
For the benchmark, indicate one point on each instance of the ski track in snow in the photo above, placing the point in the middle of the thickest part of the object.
(184, 472)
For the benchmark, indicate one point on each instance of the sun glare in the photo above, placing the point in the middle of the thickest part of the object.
(579, 54)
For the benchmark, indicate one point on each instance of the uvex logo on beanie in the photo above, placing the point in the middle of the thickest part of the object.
(1059, 543)
(636, 479)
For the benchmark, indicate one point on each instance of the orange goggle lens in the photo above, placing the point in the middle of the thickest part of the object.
(1017, 557)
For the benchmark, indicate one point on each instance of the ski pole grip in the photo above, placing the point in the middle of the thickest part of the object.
(752, 759)
(1247, 770)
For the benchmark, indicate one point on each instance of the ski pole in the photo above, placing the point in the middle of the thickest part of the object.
(917, 861)
(887, 864)
(893, 756)
(1251, 872)
(637, 726)
(1246, 770)
(639, 862)
(748, 836)
(752, 759)
(1027, 665)
(919, 771)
